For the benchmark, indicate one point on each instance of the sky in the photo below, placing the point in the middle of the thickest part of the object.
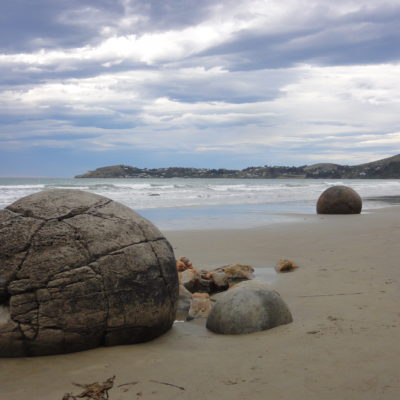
(214, 84)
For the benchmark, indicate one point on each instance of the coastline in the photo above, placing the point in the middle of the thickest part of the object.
(342, 344)
(168, 200)
(246, 216)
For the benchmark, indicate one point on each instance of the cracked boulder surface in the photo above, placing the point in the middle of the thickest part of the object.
(77, 271)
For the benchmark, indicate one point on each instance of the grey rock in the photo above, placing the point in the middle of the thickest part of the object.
(189, 279)
(200, 306)
(193, 281)
(184, 301)
(77, 271)
(222, 278)
(235, 272)
(339, 200)
(247, 307)
(284, 265)
(220, 281)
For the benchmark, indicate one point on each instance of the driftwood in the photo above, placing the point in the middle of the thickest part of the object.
(168, 384)
(333, 294)
(99, 391)
(128, 383)
(92, 391)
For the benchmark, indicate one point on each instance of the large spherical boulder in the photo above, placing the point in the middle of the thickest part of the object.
(339, 200)
(78, 270)
(249, 306)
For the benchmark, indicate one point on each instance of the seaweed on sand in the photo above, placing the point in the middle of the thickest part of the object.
(93, 391)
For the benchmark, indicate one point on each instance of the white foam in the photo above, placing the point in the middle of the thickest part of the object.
(21, 187)
(172, 193)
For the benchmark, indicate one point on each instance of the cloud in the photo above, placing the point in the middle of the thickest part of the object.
(251, 35)
(27, 26)
(258, 78)
(303, 106)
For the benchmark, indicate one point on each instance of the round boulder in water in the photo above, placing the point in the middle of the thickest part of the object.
(339, 200)
(77, 271)
(247, 307)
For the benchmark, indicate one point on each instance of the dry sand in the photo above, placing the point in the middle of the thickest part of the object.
(343, 343)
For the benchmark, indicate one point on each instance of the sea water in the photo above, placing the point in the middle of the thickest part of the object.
(182, 203)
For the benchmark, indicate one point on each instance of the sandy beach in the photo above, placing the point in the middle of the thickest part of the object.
(343, 343)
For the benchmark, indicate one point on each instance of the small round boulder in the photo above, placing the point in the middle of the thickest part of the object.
(339, 200)
(248, 307)
(78, 270)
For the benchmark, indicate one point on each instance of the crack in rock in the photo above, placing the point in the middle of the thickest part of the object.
(81, 282)
(70, 214)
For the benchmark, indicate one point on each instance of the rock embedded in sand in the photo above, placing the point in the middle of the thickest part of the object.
(216, 280)
(339, 200)
(77, 271)
(248, 307)
(234, 272)
(284, 265)
(200, 306)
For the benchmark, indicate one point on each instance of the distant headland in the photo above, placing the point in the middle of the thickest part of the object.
(387, 168)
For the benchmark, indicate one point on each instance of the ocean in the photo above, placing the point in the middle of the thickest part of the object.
(180, 203)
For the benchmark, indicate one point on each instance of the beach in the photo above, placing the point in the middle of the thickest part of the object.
(342, 344)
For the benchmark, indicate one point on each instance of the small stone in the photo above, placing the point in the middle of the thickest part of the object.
(206, 274)
(236, 271)
(183, 263)
(189, 278)
(285, 265)
(220, 281)
(200, 306)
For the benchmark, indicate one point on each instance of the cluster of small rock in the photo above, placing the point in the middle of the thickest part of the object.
(245, 306)
(216, 280)
(196, 287)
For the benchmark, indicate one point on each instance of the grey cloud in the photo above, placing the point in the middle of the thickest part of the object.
(363, 37)
(171, 14)
(25, 75)
(234, 87)
(28, 25)
(367, 36)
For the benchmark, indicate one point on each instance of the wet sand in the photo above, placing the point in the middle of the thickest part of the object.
(343, 343)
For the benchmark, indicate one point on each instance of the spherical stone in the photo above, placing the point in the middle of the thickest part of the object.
(247, 307)
(78, 270)
(339, 200)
